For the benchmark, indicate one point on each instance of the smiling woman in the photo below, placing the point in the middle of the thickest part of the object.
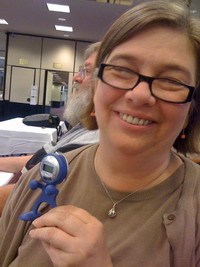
(173, 70)
(145, 94)
(150, 53)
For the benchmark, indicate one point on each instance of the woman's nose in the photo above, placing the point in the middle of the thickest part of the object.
(141, 95)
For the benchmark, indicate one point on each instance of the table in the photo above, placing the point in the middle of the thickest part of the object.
(17, 138)
(5, 177)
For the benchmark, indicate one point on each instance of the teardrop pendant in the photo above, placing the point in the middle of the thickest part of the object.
(112, 213)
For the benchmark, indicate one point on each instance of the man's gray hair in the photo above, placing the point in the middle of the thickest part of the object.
(91, 49)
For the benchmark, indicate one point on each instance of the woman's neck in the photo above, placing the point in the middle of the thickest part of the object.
(129, 172)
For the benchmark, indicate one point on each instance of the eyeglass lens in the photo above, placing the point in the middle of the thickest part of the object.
(161, 88)
(82, 72)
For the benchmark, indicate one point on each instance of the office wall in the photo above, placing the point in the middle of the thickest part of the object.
(56, 93)
(79, 54)
(29, 58)
(20, 88)
(24, 50)
(58, 55)
(48, 89)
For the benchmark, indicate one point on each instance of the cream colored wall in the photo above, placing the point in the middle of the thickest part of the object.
(56, 93)
(24, 51)
(42, 54)
(49, 89)
(7, 83)
(58, 54)
(79, 55)
(41, 88)
(21, 88)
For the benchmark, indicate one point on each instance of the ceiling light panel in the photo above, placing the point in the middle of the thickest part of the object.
(61, 19)
(64, 28)
(3, 21)
(58, 8)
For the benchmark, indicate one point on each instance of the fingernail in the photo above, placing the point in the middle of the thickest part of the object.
(31, 233)
(35, 222)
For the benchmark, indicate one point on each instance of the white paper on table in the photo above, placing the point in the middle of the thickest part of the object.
(5, 177)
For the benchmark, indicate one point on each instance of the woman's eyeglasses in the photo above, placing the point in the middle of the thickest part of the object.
(165, 89)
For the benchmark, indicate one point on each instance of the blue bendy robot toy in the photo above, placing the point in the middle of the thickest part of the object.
(53, 170)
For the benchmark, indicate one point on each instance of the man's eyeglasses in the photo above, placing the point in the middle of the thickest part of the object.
(83, 71)
(165, 89)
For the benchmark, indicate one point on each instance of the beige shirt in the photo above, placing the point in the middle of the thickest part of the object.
(158, 227)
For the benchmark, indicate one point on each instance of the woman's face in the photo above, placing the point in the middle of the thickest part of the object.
(158, 52)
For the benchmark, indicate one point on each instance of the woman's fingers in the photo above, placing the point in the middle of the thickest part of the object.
(70, 219)
(53, 236)
(72, 237)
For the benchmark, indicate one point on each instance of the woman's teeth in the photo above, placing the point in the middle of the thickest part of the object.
(133, 120)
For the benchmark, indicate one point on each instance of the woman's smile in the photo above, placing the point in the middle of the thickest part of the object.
(125, 114)
(134, 120)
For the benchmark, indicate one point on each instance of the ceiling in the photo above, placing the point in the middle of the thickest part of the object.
(89, 18)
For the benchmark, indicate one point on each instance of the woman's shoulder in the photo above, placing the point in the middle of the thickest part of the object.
(192, 175)
(191, 166)
(83, 151)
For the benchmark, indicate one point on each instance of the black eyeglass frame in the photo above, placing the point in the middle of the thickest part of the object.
(149, 80)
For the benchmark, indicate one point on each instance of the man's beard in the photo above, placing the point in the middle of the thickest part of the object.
(77, 105)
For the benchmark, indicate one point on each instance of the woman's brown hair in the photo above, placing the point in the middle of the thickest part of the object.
(169, 14)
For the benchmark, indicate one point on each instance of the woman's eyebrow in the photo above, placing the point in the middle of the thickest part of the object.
(168, 66)
(125, 57)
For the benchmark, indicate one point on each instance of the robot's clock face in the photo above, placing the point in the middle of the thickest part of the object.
(49, 169)
(48, 172)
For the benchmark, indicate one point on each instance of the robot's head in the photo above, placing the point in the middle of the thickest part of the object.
(53, 169)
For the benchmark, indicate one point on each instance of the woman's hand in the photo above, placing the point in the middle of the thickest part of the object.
(72, 238)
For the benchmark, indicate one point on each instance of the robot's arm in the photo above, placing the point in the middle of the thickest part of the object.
(34, 184)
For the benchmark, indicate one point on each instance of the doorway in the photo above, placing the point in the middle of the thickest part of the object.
(57, 91)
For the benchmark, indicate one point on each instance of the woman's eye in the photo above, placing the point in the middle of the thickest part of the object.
(172, 79)
(123, 71)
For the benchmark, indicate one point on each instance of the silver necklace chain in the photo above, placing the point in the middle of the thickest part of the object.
(112, 212)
